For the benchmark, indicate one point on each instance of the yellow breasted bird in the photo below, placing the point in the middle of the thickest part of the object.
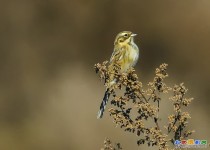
(125, 56)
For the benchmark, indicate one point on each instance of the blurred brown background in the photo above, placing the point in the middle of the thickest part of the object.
(49, 92)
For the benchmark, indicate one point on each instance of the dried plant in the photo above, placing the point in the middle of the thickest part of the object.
(137, 106)
(108, 145)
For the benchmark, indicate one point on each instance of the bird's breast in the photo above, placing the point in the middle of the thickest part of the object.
(133, 55)
(130, 58)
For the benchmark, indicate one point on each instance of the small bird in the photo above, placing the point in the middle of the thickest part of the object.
(125, 55)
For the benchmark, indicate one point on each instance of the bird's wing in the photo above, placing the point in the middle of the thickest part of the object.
(117, 54)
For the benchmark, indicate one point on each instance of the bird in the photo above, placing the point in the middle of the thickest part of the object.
(125, 55)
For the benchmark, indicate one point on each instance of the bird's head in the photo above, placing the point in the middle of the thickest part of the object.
(124, 37)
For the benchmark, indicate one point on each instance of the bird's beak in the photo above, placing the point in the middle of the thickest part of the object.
(133, 34)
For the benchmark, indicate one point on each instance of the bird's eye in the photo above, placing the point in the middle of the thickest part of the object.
(126, 35)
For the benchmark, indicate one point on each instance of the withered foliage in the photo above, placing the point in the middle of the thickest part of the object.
(136, 106)
(108, 145)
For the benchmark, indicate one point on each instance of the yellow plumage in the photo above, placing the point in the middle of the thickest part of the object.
(125, 56)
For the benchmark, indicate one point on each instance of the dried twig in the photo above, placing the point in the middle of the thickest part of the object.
(147, 103)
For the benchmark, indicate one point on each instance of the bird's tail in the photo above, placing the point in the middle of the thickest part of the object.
(103, 104)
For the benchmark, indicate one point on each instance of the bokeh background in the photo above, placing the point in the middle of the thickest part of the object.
(49, 92)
